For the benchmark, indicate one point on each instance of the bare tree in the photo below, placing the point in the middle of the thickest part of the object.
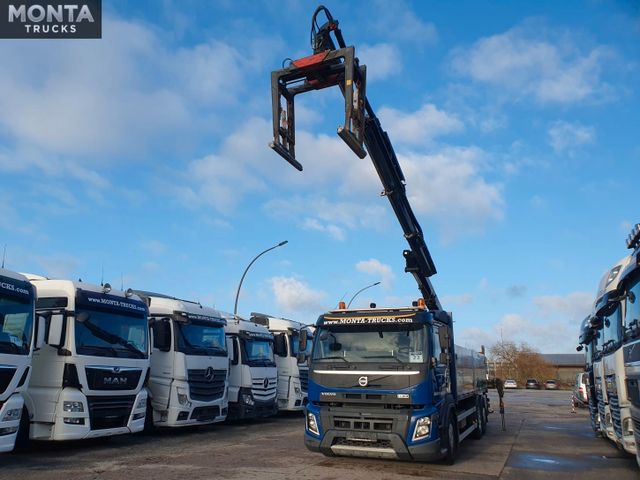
(519, 362)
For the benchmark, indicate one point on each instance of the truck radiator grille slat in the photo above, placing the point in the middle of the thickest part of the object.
(304, 380)
(363, 424)
(206, 389)
(614, 406)
(261, 393)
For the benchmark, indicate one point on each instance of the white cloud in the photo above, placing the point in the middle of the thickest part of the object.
(333, 231)
(293, 295)
(572, 307)
(448, 187)
(153, 247)
(529, 61)
(407, 26)
(419, 127)
(379, 270)
(461, 299)
(565, 136)
(383, 60)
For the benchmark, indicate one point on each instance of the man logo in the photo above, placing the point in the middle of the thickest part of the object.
(363, 381)
(208, 374)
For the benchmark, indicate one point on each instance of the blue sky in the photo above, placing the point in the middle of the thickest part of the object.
(145, 153)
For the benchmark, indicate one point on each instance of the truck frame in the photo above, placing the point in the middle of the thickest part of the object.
(422, 399)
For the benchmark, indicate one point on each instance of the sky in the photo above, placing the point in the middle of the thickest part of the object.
(142, 158)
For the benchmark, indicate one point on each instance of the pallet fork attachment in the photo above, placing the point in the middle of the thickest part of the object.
(321, 70)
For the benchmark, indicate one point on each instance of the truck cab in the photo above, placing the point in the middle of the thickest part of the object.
(189, 365)
(630, 280)
(587, 341)
(17, 320)
(88, 380)
(293, 371)
(389, 383)
(609, 366)
(253, 375)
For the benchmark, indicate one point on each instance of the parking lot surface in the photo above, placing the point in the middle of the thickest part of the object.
(543, 440)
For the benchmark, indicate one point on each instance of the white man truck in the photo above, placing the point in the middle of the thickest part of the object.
(189, 365)
(88, 379)
(609, 365)
(293, 371)
(253, 375)
(17, 321)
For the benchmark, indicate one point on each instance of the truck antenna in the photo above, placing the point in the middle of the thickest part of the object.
(4, 254)
(102, 275)
(121, 281)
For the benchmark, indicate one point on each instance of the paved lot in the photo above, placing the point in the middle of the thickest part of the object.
(543, 440)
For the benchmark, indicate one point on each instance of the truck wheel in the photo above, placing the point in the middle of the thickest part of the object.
(451, 441)
(22, 438)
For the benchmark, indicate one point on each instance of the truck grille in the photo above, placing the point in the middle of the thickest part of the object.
(601, 406)
(304, 380)
(6, 375)
(206, 387)
(636, 429)
(614, 406)
(262, 394)
(110, 412)
(352, 442)
(113, 378)
(204, 414)
(363, 424)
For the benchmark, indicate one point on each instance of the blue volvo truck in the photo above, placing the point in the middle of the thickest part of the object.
(386, 383)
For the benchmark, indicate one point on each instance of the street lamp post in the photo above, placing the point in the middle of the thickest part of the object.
(360, 291)
(235, 307)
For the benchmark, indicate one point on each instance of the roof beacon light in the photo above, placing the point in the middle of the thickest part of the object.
(422, 303)
(633, 240)
(106, 288)
(342, 306)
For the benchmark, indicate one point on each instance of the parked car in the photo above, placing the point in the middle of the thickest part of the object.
(510, 384)
(532, 383)
(550, 385)
(580, 390)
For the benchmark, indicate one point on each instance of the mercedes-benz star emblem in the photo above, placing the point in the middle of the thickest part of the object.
(266, 382)
(363, 381)
(208, 374)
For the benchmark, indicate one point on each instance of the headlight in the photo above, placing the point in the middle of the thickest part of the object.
(142, 403)
(627, 426)
(423, 427)
(76, 407)
(312, 424)
(183, 399)
(8, 430)
(297, 390)
(12, 415)
(247, 399)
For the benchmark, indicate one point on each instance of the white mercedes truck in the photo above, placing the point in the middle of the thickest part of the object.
(253, 375)
(293, 370)
(17, 320)
(189, 364)
(88, 379)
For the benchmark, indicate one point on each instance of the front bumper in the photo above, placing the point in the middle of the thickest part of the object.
(241, 411)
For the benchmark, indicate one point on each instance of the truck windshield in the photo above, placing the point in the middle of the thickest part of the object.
(106, 334)
(611, 325)
(200, 338)
(259, 353)
(632, 312)
(371, 344)
(16, 320)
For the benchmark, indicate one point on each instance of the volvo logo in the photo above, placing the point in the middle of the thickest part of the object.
(363, 381)
(208, 374)
(266, 383)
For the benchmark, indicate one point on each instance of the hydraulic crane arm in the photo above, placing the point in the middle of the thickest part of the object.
(330, 66)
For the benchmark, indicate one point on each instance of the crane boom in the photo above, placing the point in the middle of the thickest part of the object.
(362, 132)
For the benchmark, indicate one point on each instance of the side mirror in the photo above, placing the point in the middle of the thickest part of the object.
(41, 327)
(304, 337)
(443, 334)
(302, 357)
(443, 358)
(56, 330)
(280, 344)
(579, 348)
(434, 362)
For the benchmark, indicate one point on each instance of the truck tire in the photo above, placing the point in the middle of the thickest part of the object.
(451, 440)
(149, 427)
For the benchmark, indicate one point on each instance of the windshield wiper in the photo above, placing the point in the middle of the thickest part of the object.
(385, 356)
(335, 357)
(101, 348)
